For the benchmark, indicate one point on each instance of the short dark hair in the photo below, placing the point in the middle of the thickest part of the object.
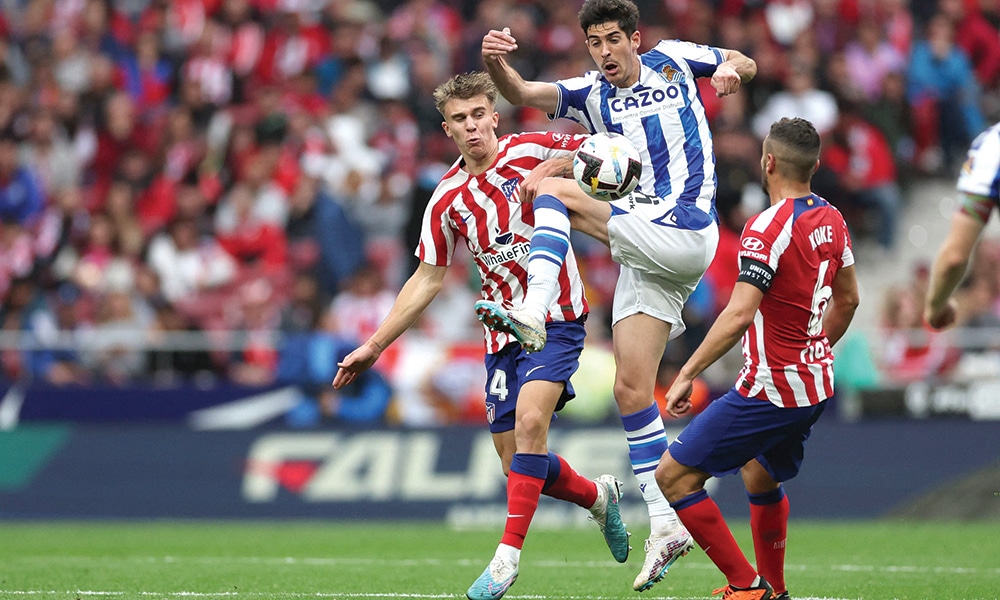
(463, 87)
(795, 144)
(623, 12)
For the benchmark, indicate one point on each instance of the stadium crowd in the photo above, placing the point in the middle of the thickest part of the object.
(252, 173)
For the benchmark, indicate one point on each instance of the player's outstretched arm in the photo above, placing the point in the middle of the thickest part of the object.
(949, 268)
(553, 167)
(843, 302)
(417, 293)
(497, 44)
(727, 330)
(737, 69)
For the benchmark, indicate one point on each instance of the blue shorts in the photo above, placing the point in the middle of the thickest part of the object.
(511, 367)
(734, 429)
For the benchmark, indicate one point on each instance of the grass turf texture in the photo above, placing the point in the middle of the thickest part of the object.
(870, 560)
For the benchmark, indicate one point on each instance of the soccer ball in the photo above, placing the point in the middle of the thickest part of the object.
(607, 166)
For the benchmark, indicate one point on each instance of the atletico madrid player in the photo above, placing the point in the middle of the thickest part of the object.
(795, 297)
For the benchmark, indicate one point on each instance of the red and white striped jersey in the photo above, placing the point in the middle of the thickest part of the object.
(485, 211)
(792, 251)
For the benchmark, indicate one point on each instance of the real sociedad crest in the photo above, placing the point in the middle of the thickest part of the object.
(672, 75)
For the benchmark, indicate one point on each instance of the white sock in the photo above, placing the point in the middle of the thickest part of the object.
(549, 247)
(647, 441)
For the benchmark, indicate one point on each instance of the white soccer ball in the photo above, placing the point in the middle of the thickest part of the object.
(607, 166)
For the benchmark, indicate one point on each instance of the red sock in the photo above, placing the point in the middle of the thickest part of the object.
(523, 492)
(701, 515)
(570, 485)
(769, 523)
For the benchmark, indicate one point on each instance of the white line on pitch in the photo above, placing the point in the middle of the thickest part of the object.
(344, 596)
(328, 562)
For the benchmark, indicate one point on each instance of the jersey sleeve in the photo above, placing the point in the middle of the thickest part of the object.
(437, 236)
(980, 174)
(847, 256)
(548, 144)
(701, 59)
(573, 95)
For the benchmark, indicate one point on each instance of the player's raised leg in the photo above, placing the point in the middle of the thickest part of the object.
(549, 247)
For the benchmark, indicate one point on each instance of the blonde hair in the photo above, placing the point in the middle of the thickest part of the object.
(463, 87)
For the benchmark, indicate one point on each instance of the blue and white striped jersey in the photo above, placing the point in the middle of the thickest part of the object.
(981, 172)
(664, 117)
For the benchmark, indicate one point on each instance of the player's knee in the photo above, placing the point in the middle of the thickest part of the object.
(630, 396)
(531, 431)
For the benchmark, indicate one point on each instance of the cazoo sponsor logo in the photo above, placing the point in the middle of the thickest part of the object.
(645, 103)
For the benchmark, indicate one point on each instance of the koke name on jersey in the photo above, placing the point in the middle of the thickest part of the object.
(821, 235)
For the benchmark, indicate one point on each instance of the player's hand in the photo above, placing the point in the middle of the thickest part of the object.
(943, 318)
(553, 167)
(678, 397)
(355, 363)
(528, 190)
(498, 43)
(726, 80)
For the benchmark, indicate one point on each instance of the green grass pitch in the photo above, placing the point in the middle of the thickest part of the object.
(297, 560)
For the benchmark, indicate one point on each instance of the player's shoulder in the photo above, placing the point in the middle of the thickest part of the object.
(535, 142)
(681, 48)
(450, 184)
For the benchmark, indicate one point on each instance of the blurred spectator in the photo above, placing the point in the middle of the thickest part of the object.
(115, 344)
(323, 239)
(50, 151)
(56, 327)
(253, 320)
(891, 114)
(944, 93)
(870, 58)
(21, 194)
(979, 39)
(170, 364)
(188, 263)
(910, 351)
(17, 255)
(309, 360)
(801, 98)
(253, 241)
(145, 75)
(858, 153)
(360, 308)
(239, 25)
(61, 228)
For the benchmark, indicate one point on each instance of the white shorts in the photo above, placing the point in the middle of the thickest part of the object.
(660, 265)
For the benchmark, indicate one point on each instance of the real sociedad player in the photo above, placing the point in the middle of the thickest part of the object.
(664, 235)
(978, 198)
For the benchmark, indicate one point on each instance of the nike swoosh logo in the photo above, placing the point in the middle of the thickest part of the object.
(533, 369)
(679, 441)
(510, 516)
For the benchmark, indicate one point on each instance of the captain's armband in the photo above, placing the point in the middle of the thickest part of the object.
(756, 273)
